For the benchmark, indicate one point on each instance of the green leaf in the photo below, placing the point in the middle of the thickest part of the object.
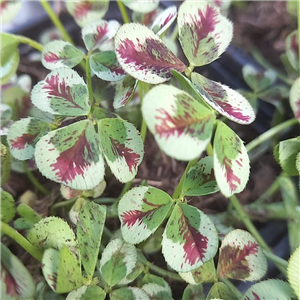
(164, 20)
(90, 226)
(295, 98)
(292, 46)
(62, 92)
(6, 122)
(71, 155)
(231, 161)
(62, 270)
(182, 127)
(9, 9)
(23, 136)
(143, 55)
(5, 164)
(137, 270)
(241, 257)
(51, 232)
(224, 100)
(128, 293)
(122, 147)
(293, 274)
(8, 209)
(142, 6)
(149, 278)
(204, 33)
(200, 179)
(190, 238)
(29, 217)
(117, 261)
(153, 243)
(269, 289)
(87, 293)
(16, 281)
(221, 291)
(141, 211)
(193, 292)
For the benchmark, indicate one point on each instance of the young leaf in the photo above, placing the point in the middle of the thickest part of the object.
(295, 98)
(221, 291)
(292, 49)
(200, 179)
(60, 54)
(141, 6)
(269, 289)
(224, 100)
(141, 211)
(193, 292)
(16, 281)
(129, 293)
(122, 147)
(204, 33)
(90, 225)
(87, 293)
(164, 20)
(29, 217)
(23, 136)
(241, 257)
(51, 232)
(62, 92)
(71, 155)
(189, 240)
(293, 274)
(84, 12)
(99, 33)
(106, 67)
(62, 270)
(117, 261)
(181, 126)
(8, 209)
(143, 55)
(231, 161)
(9, 9)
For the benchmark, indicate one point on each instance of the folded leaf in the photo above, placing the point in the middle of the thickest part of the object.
(221, 291)
(292, 49)
(164, 20)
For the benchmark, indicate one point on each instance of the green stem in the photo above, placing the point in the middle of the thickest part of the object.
(143, 90)
(61, 204)
(89, 79)
(25, 40)
(232, 287)
(123, 12)
(270, 133)
(16, 236)
(276, 259)
(188, 71)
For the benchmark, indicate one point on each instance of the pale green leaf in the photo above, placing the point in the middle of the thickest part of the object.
(128, 293)
(137, 270)
(221, 291)
(293, 273)
(9, 10)
(8, 209)
(193, 292)
(87, 293)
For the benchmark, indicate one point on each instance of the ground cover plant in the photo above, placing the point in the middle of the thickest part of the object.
(79, 137)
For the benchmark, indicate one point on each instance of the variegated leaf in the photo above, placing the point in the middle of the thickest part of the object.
(122, 147)
(224, 100)
(159, 281)
(141, 6)
(182, 127)
(117, 261)
(156, 287)
(16, 281)
(164, 20)
(231, 161)
(269, 289)
(221, 291)
(6, 122)
(130, 293)
(143, 55)
(62, 92)
(71, 155)
(125, 89)
(23, 136)
(193, 292)
(9, 9)
(200, 179)
(141, 211)
(241, 257)
(293, 274)
(189, 240)
(62, 270)
(85, 12)
(292, 49)
(87, 292)
(98, 34)
(295, 98)
(137, 270)
(106, 67)
(204, 33)
(60, 54)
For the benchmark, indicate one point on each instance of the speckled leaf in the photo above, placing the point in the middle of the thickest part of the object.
(117, 261)
(85, 12)
(295, 98)
(16, 281)
(128, 293)
(221, 291)
(90, 226)
(62, 270)
(258, 80)
(143, 55)
(99, 33)
(141, 6)
(125, 89)
(204, 33)
(241, 257)
(71, 155)
(224, 100)
(8, 209)
(87, 293)
(23, 136)
(106, 67)
(164, 20)
(9, 9)
(292, 49)
(293, 273)
(193, 292)
(269, 289)
(122, 147)
(189, 240)
(182, 127)
(200, 179)
(29, 217)
(205, 273)
(62, 92)
(231, 161)
(141, 211)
